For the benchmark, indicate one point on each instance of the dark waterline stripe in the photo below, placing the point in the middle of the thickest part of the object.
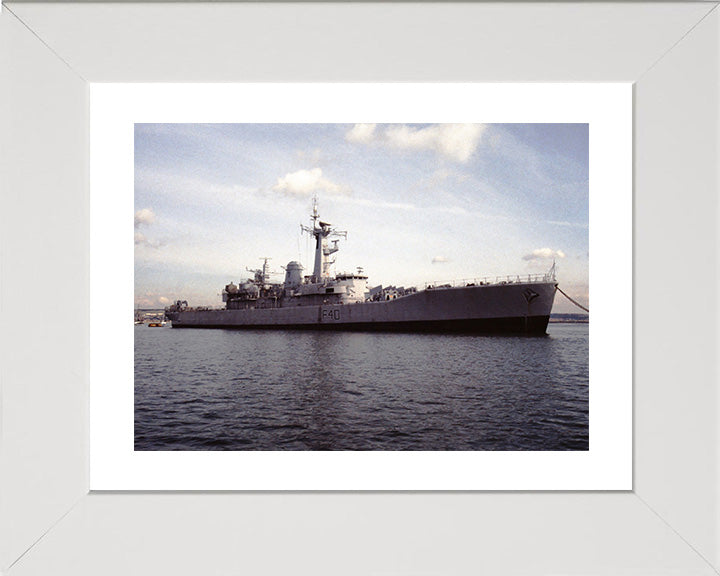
(532, 326)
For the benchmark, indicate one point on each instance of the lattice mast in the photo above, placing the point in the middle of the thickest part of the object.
(262, 275)
(322, 231)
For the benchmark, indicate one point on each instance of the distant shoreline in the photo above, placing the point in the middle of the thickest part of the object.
(569, 318)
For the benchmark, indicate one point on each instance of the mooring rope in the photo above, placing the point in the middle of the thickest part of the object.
(571, 300)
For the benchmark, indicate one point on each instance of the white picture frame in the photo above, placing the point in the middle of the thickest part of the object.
(668, 524)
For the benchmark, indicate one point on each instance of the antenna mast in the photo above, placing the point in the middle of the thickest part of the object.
(262, 275)
(322, 231)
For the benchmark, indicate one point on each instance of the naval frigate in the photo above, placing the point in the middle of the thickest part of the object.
(508, 304)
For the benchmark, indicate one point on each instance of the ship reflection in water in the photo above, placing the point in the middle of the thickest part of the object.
(310, 390)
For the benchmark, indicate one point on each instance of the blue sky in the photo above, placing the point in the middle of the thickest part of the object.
(420, 203)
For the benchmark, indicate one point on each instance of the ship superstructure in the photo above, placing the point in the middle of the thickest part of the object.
(511, 304)
(297, 290)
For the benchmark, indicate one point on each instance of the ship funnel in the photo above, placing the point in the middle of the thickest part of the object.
(293, 274)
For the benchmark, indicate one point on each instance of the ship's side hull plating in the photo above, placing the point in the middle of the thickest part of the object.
(522, 308)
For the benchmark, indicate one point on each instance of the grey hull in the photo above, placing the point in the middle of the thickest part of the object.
(497, 308)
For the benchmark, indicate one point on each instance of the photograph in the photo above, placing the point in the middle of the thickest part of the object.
(361, 287)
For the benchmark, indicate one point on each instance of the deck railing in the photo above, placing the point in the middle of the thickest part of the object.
(492, 280)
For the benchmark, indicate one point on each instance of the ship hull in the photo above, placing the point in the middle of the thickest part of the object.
(512, 308)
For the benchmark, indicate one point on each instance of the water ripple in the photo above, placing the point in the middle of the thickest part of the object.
(276, 390)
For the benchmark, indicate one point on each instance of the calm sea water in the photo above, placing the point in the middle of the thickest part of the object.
(298, 390)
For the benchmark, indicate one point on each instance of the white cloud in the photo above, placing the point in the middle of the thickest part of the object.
(142, 240)
(361, 133)
(151, 300)
(456, 142)
(314, 156)
(440, 259)
(307, 182)
(144, 217)
(191, 191)
(544, 254)
(568, 224)
(376, 204)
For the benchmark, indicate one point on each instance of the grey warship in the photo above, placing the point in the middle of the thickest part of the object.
(499, 305)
